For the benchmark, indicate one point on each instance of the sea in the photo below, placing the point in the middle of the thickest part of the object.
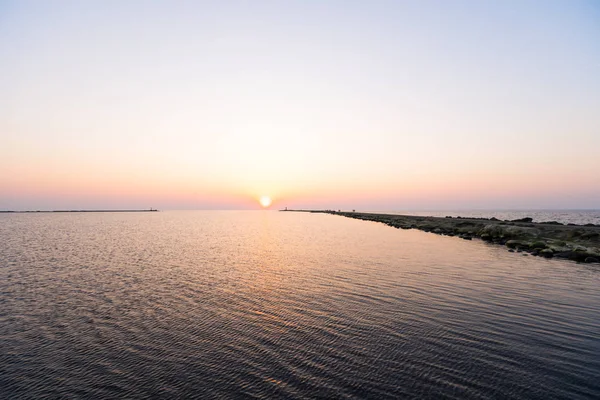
(285, 305)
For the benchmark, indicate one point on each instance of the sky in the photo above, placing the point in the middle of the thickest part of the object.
(367, 105)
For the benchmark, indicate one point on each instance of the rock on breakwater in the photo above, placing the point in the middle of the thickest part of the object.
(579, 243)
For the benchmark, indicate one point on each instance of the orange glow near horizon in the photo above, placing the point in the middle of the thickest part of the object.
(270, 112)
(190, 192)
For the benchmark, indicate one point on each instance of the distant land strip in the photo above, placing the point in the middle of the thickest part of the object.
(550, 239)
(79, 211)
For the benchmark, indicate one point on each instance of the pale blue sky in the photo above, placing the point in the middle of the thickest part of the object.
(370, 104)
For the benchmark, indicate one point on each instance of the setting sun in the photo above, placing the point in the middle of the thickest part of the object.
(265, 201)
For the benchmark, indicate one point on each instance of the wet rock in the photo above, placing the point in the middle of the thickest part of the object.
(526, 219)
(564, 254)
(547, 253)
(486, 237)
(558, 248)
(510, 231)
(513, 244)
(466, 223)
(581, 256)
(558, 243)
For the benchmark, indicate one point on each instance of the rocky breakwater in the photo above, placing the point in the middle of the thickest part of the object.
(579, 243)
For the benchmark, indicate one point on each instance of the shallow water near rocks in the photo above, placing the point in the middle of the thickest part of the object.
(261, 304)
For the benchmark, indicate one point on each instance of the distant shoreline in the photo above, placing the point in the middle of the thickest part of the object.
(579, 243)
(75, 211)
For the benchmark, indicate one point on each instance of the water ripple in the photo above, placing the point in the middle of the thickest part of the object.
(282, 305)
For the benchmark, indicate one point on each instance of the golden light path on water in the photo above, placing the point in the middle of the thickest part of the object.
(268, 304)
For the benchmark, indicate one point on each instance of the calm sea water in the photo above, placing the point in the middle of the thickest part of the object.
(284, 305)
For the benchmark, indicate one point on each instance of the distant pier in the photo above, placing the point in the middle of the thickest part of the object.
(79, 211)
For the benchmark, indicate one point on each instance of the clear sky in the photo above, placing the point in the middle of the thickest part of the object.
(372, 105)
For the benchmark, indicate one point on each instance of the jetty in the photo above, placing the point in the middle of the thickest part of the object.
(79, 211)
(549, 239)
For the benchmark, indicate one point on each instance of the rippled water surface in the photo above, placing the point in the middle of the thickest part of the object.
(284, 305)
